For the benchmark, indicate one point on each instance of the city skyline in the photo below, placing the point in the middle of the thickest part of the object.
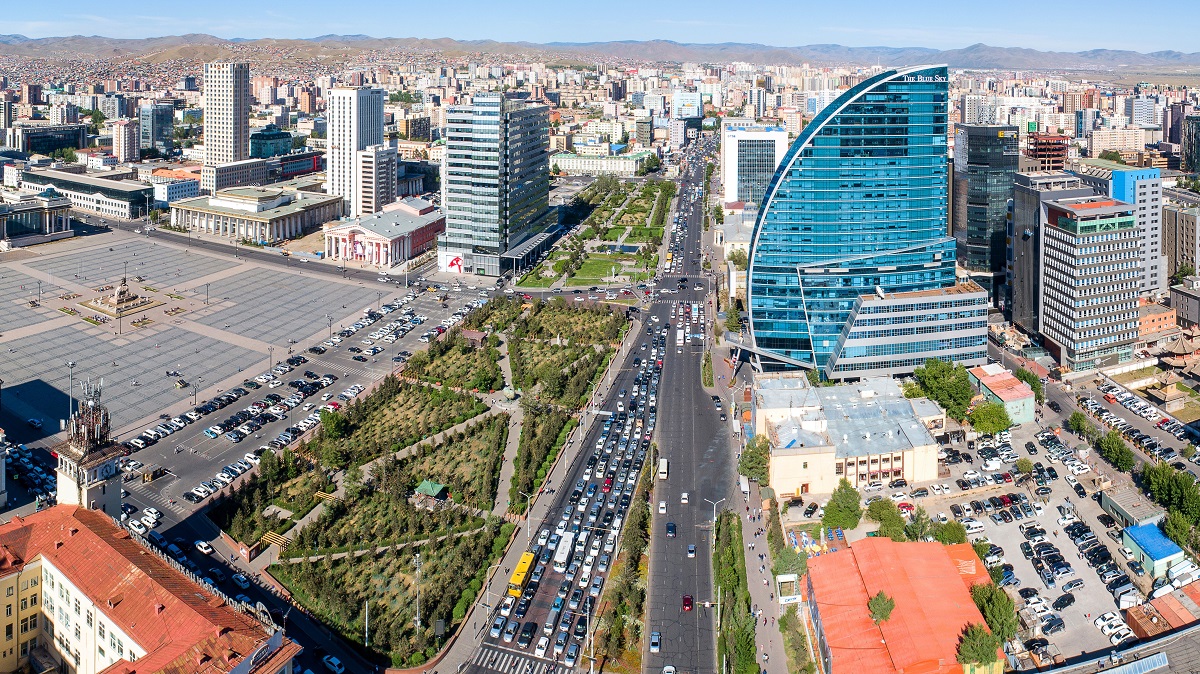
(941, 25)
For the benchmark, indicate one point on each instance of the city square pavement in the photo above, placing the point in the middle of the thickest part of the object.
(253, 306)
(161, 266)
(263, 304)
(16, 290)
(36, 376)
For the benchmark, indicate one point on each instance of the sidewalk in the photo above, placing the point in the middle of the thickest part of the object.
(762, 589)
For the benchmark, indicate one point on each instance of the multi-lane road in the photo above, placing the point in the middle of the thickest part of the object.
(691, 437)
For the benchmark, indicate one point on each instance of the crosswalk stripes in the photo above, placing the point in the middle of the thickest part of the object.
(490, 658)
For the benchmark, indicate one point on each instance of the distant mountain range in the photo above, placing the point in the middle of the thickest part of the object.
(977, 56)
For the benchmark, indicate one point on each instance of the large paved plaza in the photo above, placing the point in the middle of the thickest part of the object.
(253, 309)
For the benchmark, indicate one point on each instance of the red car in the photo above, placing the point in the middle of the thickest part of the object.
(905, 507)
(687, 602)
(527, 296)
(1008, 477)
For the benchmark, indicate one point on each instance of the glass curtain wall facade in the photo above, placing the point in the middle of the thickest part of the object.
(755, 166)
(985, 161)
(495, 182)
(157, 127)
(859, 203)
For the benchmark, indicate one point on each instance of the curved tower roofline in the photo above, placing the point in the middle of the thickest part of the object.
(858, 206)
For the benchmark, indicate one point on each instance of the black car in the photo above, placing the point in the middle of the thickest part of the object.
(1107, 520)
(1055, 406)
(361, 359)
(1080, 490)
(1053, 626)
(316, 350)
(526, 636)
(1063, 601)
(1027, 592)
(811, 509)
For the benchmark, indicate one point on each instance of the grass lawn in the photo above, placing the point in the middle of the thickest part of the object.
(614, 233)
(536, 280)
(597, 268)
(1137, 374)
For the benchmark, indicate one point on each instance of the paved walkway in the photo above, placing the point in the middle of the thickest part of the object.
(500, 506)
(762, 589)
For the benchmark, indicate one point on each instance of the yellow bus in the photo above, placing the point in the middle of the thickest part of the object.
(516, 584)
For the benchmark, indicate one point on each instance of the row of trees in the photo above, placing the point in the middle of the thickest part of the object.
(978, 645)
(1176, 491)
(736, 640)
(626, 590)
(895, 526)
(542, 435)
(756, 460)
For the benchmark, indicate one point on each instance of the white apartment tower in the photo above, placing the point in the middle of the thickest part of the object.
(126, 135)
(355, 156)
(226, 112)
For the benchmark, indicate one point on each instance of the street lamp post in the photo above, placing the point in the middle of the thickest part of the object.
(70, 389)
(714, 505)
(330, 319)
(528, 513)
(270, 356)
(417, 563)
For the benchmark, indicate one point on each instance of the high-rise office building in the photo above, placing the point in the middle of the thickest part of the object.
(376, 181)
(226, 112)
(858, 210)
(495, 185)
(1090, 274)
(1141, 111)
(985, 160)
(1085, 121)
(1181, 237)
(977, 109)
(355, 118)
(1031, 193)
(126, 140)
(1173, 117)
(1141, 188)
(750, 153)
(8, 114)
(157, 122)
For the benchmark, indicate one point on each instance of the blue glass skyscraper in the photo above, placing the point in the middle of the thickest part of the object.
(857, 207)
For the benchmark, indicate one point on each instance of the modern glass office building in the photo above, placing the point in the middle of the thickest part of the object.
(985, 161)
(858, 206)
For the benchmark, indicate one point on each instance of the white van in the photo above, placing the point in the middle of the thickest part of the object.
(973, 526)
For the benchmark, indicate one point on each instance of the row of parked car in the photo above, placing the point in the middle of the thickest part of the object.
(1147, 442)
(223, 478)
(24, 469)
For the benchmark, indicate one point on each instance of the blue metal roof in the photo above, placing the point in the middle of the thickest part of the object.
(1152, 541)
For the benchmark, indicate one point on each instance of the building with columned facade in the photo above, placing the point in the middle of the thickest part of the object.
(398, 233)
(258, 214)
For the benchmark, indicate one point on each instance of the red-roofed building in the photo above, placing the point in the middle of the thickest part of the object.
(929, 582)
(999, 385)
(92, 598)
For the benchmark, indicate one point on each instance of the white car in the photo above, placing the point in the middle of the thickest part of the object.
(662, 507)
(1127, 553)
(137, 527)
(204, 547)
(542, 645)
(153, 512)
(683, 498)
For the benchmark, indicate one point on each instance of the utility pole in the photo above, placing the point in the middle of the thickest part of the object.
(417, 563)
(367, 623)
(70, 389)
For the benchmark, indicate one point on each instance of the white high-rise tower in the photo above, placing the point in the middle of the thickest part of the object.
(360, 168)
(226, 112)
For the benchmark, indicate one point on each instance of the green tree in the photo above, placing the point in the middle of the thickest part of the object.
(334, 425)
(555, 170)
(1188, 451)
(977, 646)
(989, 417)
(1077, 423)
(738, 258)
(67, 154)
(997, 608)
(1112, 155)
(947, 385)
(843, 510)
(881, 607)
(950, 533)
(1185, 270)
(1114, 450)
(920, 527)
(756, 459)
(1177, 528)
(1024, 465)
(1039, 391)
(891, 522)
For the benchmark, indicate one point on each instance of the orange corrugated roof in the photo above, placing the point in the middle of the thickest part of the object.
(931, 610)
(1172, 611)
(1193, 592)
(1007, 387)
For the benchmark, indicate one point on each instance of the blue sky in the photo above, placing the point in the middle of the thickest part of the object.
(1044, 24)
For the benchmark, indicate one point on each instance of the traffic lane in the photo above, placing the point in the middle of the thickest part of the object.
(543, 600)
